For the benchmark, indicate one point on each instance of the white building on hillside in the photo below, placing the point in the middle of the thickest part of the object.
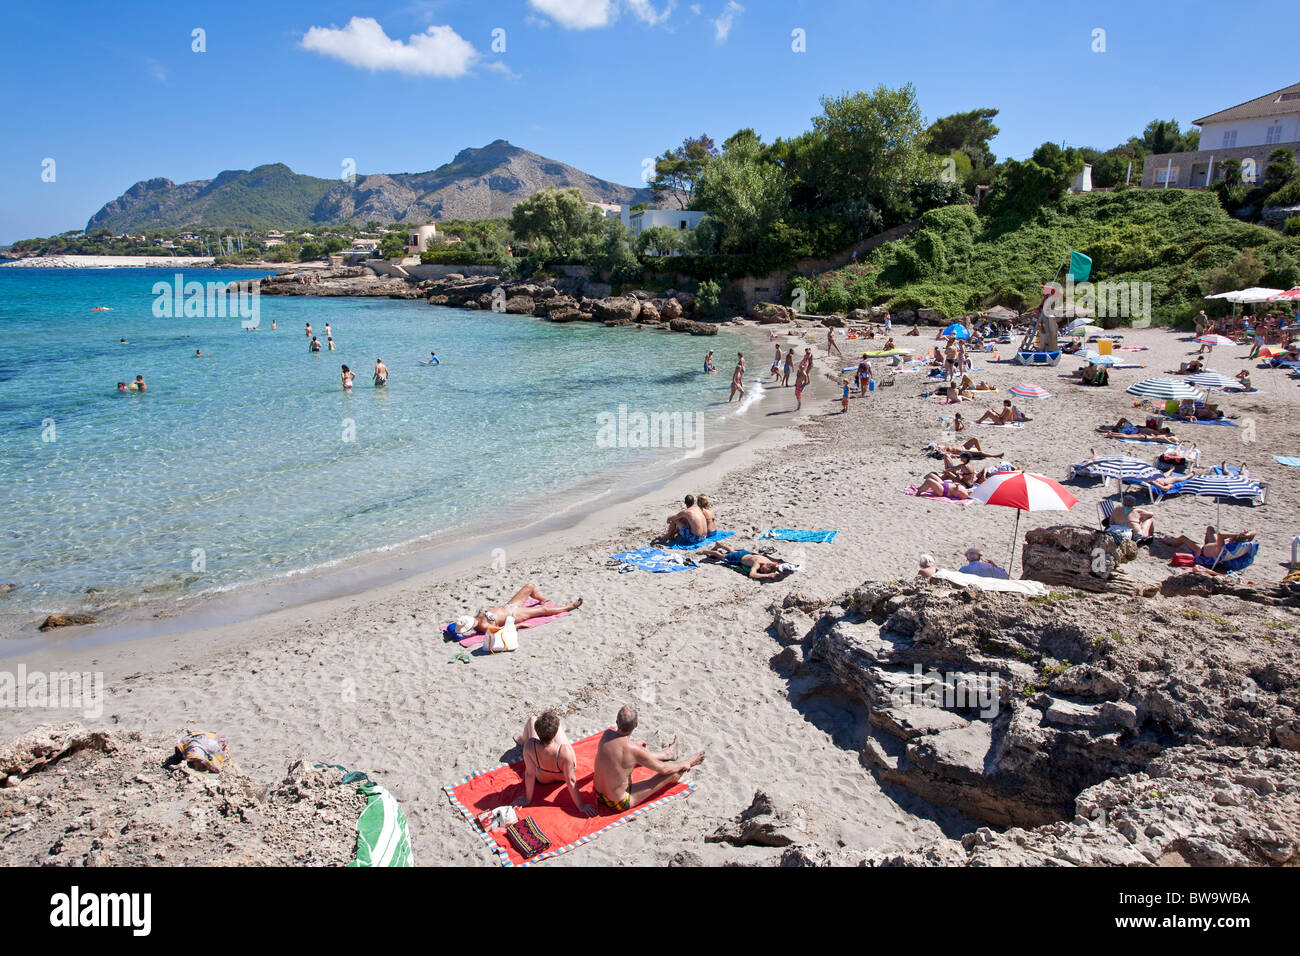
(1247, 132)
(417, 241)
(636, 222)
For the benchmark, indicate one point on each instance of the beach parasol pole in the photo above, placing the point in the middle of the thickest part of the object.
(1011, 562)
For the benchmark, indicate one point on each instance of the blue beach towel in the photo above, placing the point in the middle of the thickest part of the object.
(793, 534)
(1291, 460)
(1216, 421)
(700, 542)
(653, 560)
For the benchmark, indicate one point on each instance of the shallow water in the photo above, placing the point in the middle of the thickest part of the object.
(253, 463)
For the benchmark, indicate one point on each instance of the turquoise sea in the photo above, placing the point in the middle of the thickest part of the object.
(253, 464)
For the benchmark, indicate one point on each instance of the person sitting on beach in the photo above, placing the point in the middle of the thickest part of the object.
(975, 564)
(1193, 367)
(1213, 544)
(958, 423)
(706, 509)
(495, 617)
(952, 395)
(1244, 378)
(1008, 415)
(916, 330)
(618, 755)
(934, 485)
(549, 758)
(889, 344)
(960, 469)
(760, 567)
(1130, 521)
(689, 526)
(927, 567)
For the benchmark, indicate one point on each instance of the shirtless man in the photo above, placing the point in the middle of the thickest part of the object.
(1130, 521)
(496, 616)
(971, 446)
(617, 755)
(549, 758)
(737, 381)
(760, 567)
(1009, 415)
(787, 367)
(381, 373)
(689, 525)
(308, 330)
(776, 365)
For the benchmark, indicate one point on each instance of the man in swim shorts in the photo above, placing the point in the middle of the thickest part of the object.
(757, 566)
(381, 373)
(618, 755)
(688, 526)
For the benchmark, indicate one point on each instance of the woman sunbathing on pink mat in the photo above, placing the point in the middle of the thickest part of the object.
(933, 486)
(495, 617)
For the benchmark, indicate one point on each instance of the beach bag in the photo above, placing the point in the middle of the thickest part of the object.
(203, 751)
(504, 639)
(1182, 559)
(528, 838)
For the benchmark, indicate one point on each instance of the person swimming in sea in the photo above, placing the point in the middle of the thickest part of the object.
(381, 373)
(315, 344)
(348, 378)
(433, 359)
(708, 362)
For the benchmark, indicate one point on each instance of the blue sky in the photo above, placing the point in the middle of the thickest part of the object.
(114, 93)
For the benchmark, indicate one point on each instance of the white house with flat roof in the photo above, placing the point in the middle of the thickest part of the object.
(636, 222)
(1247, 132)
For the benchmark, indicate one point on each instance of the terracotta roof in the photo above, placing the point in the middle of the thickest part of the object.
(1278, 103)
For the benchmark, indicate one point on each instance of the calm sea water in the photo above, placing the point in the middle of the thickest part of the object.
(253, 463)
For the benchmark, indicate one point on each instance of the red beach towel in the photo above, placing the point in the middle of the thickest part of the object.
(474, 640)
(552, 808)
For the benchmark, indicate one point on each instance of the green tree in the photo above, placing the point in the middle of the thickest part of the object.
(744, 191)
(968, 133)
(660, 241)
(559, 217)
(678, 171)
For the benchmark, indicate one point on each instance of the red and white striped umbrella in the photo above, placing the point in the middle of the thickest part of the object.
(1290, 295)
(1029, 391)
(1213, 340)
(1024, 491)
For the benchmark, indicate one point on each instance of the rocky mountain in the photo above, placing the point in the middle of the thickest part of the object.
(477, 184)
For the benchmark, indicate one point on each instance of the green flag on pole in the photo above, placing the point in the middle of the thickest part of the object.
(1080, 267)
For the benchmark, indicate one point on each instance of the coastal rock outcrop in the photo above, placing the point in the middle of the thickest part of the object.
(1075, 557)
(1191, 806)
(67, 620)
(769, 313)
(1008, 707)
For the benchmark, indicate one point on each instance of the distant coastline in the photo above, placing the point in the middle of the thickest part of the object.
(136, 262)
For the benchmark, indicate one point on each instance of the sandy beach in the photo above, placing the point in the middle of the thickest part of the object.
(368, 682)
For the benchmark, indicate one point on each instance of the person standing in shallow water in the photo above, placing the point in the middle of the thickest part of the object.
(381, 373)
(737, 381)
(348, 376)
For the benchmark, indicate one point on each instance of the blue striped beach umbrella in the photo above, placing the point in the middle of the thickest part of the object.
(1219, 487)
(1216, 381)
(1164, 389)
(1120, 467)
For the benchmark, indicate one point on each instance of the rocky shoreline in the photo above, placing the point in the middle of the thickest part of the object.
(562, 299)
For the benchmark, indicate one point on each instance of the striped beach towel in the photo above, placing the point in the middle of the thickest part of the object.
(382, 836)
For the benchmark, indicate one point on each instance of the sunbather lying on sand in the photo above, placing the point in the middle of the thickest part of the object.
(1193, 367)
(1008, 415)
(1213, 545)
(1130, 521)
(495, 617)
(933, 485)
(971, 445)
(549, 758)
(1126, 429)
(617, 755)
(760, 567)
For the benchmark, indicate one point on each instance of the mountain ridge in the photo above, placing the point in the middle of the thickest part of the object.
(479, 183)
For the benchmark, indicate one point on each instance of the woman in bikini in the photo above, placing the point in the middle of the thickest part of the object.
(549, 758)
(934, 486)
(495, 617)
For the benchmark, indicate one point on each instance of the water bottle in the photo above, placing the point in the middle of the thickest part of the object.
(1295, 551)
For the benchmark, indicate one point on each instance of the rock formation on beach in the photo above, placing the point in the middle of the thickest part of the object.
(78, 797)
(563, 299)
(1096, 727)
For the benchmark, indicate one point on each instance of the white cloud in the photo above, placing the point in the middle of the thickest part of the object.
(695, 9)
(577, 14)
(439, 51)
(157, 70)
(644, 11)
(722, 25)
